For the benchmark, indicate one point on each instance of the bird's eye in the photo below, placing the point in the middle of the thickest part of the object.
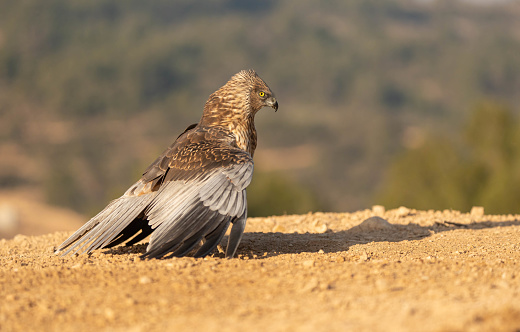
(261, 94)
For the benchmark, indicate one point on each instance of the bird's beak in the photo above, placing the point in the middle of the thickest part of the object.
(271, 102)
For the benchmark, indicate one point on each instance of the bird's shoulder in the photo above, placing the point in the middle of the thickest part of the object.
(204, 148)
(195, 153)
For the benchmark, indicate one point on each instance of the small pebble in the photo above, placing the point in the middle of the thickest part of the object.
(130, 301)
(11, 297)
(110, 314)
(378, 210)
(325, 286)
(403, 211)
(278, 229)
(163, 302)
(19, 238)
(321, 229)
(477, 211)
(145, 280)
(381, 284)
(311, 285)
(374, 224)
(309, 263)
(431, 259)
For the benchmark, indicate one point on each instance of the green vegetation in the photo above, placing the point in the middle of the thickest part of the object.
(480, 167)
(279, 195)
(92, 90)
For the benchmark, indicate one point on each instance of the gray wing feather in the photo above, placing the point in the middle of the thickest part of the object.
(180, 238)
(182, 213)
(217, 192)
(213, 238)
(197, 211)
(222, 201)
(172, 200)
(108, 234)
(229, 206)
(107, 224)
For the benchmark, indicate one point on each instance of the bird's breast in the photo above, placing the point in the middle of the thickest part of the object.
(245, 137)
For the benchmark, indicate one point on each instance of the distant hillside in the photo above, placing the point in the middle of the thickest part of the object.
(23, 212)
(92, 91)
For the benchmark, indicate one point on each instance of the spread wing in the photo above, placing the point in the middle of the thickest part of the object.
(191, 193)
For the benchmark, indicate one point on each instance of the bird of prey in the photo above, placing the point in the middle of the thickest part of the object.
(191, 193)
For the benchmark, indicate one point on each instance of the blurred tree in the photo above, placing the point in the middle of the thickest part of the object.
(481, 169)
(493, 137)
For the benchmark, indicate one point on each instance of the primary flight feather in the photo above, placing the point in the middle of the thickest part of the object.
(192, 192)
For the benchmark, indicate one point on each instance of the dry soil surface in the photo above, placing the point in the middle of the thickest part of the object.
(420, 271)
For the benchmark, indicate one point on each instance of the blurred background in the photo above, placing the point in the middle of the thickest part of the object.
(411, 102)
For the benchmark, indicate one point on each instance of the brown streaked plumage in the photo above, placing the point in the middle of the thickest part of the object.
(195, 189)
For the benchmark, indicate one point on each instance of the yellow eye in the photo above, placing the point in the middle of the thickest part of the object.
(261, 94)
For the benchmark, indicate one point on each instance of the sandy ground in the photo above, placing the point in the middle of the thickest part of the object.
(421, 271)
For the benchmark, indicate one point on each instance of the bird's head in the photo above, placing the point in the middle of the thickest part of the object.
(241, 97)
(261, 95)
(252, 90)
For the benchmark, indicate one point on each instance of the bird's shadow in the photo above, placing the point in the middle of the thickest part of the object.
(258, 245)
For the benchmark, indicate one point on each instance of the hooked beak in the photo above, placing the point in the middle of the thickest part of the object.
(271, 102)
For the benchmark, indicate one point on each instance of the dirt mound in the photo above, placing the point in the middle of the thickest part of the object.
(405, 271)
